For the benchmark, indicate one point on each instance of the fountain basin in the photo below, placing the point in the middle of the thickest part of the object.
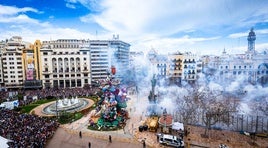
(68, 106)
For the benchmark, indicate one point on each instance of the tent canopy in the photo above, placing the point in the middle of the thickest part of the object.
(177, 126)
(3, 142)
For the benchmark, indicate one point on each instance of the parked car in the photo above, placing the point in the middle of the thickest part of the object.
(170, 140)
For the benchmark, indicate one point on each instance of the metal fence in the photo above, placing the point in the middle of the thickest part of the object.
(238, 122)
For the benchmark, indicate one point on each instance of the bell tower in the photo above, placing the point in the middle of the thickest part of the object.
(251, 41)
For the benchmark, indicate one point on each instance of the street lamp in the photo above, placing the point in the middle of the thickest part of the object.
(57, 108)
(165, 117)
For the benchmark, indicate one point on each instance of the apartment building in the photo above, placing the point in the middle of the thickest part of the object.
(176, 67)
(12, 62)
(2, 45)
(108, 53)
(191, 67)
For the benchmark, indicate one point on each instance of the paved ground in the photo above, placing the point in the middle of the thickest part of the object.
(67, 136)
(63, 139)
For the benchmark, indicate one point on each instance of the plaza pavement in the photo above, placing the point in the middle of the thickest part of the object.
(129, 137)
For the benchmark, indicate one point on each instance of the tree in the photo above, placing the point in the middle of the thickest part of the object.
(188, 106)
(215, 107)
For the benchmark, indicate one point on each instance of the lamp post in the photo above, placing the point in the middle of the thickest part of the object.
(165, 117)
(57, 108)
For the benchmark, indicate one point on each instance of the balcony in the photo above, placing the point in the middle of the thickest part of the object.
(85, 71)
(47, 72)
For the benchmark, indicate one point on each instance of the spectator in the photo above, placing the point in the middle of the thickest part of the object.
(110, 138)
(21, 129)
(80, 134)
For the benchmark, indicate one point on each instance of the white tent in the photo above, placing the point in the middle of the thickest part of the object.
(3, 142)
(177, 126)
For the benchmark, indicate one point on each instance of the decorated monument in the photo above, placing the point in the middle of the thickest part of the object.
(110, 112)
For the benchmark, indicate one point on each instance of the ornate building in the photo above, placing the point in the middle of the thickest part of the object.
(65, 63)
(251, 66)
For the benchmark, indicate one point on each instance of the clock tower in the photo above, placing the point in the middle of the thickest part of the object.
(251, 41)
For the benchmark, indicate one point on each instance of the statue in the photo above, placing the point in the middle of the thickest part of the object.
(152, 96)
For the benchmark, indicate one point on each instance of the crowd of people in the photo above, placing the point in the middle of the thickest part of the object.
(45, 93)
(25, 130)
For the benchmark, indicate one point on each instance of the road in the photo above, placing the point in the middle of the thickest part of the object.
(64, 139)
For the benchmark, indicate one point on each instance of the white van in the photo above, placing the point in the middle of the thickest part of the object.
(170, 140)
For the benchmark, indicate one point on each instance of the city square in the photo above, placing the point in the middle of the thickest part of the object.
(109, 73)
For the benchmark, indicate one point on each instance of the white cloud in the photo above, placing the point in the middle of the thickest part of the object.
(170, 16)
(86, 18)
(10, 10)
(90, 4)
(45, 33)
(14, 23)
(244, 34)
(150, 23)
(238, 35)
(10, 14)
(69, 5)
(51, 17)
(261, 47)
(17, 19)
(262, 31)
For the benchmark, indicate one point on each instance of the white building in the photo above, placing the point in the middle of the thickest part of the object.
(13, 71)
(176, 67)
(191, 68)
(108, 53)
(2, 45)
(65, 63)
(251, 65)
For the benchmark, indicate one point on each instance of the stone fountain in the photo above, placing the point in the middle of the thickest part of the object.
(66, 104)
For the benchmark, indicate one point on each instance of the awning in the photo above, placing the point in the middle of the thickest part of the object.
(177, 126)
(3, 142)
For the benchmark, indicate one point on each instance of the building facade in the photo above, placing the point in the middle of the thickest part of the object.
(65, 63)
(2, 45)
(13, 64)
(251, 66)
(176, 67)
(108, 53)
(191, 67)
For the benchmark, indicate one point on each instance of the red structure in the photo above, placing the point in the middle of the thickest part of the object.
(113, 70)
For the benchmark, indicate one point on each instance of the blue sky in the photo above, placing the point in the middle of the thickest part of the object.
(203, 27)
